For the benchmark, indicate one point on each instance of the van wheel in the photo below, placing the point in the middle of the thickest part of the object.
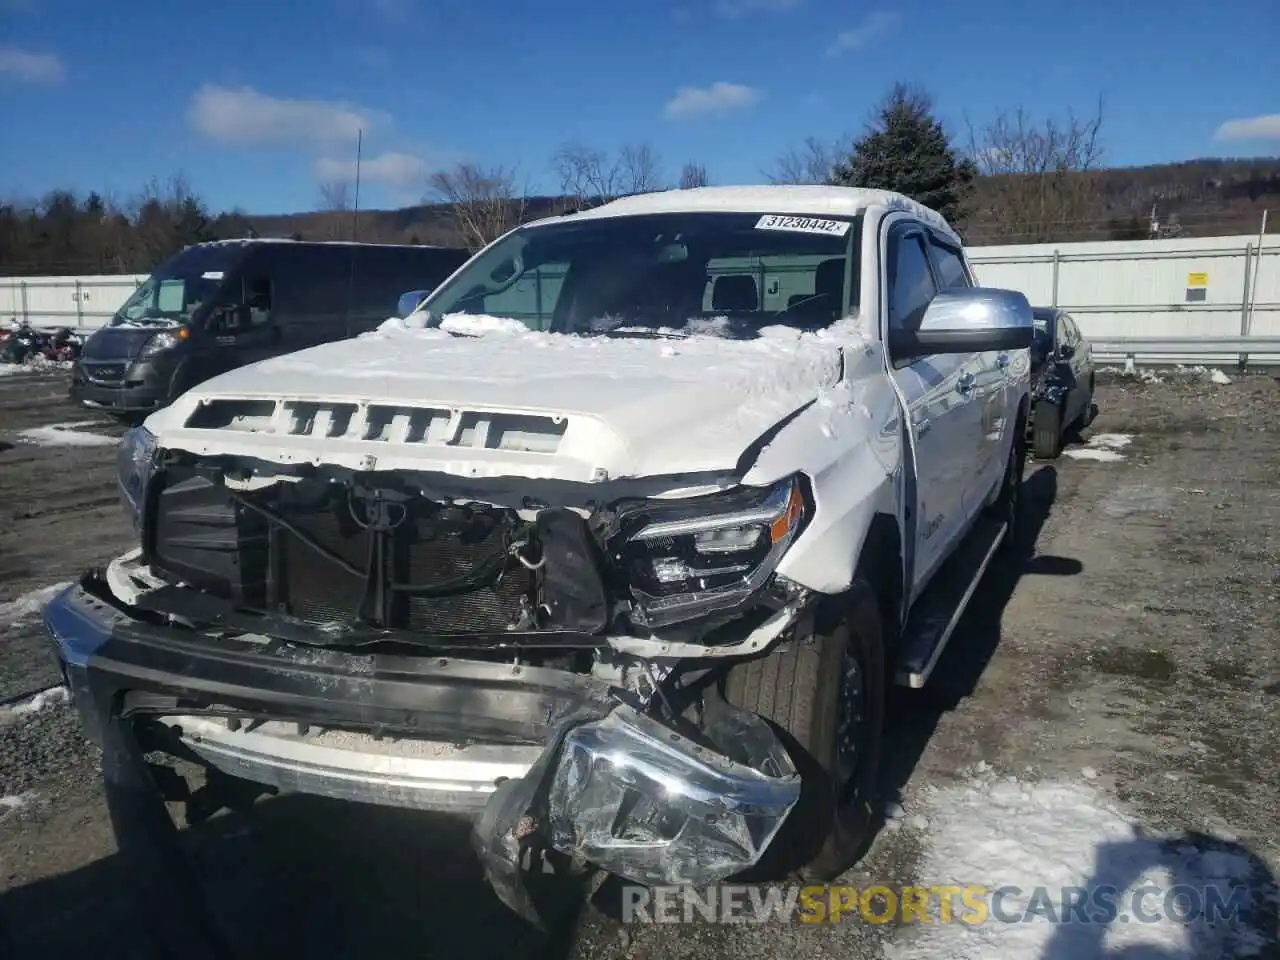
(824, 694)
(1047, 440)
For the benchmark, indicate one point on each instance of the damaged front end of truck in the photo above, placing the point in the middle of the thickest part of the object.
(544, 655)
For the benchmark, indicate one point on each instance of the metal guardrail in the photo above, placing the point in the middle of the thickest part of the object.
(1134, 348)
(1251, 344)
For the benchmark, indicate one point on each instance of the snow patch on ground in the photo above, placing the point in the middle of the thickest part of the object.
(29, 604)
(1053, 835)
(36, 365)
(68, 435)
(34, 704)
(15, 802)
(1104, 447)
(1086, 453)
(1179, 372)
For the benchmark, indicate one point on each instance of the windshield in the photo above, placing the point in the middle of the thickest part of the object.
(180, 286)
(727, 274)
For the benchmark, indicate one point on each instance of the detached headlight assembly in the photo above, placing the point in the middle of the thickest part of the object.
(134, 461)
(695, 557)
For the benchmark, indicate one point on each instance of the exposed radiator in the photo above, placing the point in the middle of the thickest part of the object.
(417, 553)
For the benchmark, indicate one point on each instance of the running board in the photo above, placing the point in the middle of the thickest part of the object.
(935, 615)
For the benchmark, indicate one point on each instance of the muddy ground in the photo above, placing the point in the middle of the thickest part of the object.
(1138, 652)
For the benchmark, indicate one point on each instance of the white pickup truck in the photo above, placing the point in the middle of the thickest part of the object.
(614, 542)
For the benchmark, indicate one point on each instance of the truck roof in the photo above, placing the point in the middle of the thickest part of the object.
(805, 200)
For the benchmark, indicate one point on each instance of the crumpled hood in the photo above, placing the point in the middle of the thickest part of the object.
(601, 407)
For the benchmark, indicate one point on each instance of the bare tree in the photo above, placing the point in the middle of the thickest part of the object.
(693, 175)
(484, 201)
(810, 163)
(590, 176)
(585, 173)
(335, 195)
(1037, 182)
(640, 169)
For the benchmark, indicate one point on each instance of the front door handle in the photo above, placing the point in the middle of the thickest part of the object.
(965, 383)
(923, 426)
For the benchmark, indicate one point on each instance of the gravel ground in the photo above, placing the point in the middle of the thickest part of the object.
(1131, 672)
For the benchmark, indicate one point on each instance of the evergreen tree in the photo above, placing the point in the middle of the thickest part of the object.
(906, 150)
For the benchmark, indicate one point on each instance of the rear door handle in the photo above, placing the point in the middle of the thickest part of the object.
(965, 383)
(1002, 361)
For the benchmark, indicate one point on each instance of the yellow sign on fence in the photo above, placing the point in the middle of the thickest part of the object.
(1197, 279)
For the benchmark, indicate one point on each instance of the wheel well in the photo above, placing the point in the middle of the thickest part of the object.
(880, 564)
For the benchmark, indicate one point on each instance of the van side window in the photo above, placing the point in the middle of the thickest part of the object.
(948, 264)
(257, 297)
(310, 284)
(911, 284)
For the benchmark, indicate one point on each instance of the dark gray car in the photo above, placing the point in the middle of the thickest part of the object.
(1062, 380)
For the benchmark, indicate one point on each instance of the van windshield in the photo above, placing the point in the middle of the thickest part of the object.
(669, 274)
(178, 287)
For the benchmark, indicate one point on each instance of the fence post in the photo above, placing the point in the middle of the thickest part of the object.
(1053, 297)
(22, 284)
(1243, 359)
(79, 306)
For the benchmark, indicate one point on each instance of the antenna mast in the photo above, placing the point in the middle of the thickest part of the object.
(355, 206)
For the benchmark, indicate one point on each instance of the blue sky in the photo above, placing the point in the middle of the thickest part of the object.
(256, 102)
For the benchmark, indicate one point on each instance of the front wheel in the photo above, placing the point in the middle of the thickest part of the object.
(1007, 506)
(824, 693)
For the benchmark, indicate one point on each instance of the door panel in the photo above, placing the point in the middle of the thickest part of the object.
(989, 399)
(984, 397)
(941, 415)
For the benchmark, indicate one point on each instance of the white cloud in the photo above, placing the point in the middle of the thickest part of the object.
(875, 25)
(738, 8)
(1265, 127)
(245, 116)
(399, 171)
(720, 97)
(28, 67)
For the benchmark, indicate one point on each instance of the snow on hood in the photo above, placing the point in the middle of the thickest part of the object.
(633, 407)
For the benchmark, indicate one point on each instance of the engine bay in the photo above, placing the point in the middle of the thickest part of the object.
(335, 553)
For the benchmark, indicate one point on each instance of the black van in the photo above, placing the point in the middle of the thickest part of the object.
(220, 305)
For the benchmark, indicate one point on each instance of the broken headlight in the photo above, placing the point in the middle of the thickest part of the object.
(690, 558)
(134, 460)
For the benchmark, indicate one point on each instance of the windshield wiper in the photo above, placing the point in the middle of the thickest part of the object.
(646, 333)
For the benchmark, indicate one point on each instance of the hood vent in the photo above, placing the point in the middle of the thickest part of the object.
(383, 423)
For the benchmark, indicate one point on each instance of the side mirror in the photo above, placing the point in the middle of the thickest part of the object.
(1066, 351)
(968, 320)
(409, 302)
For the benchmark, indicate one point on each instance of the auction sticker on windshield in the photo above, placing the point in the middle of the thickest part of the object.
(834, 228)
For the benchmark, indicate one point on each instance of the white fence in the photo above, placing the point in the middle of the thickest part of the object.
(82, 303)
(1197, 287)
